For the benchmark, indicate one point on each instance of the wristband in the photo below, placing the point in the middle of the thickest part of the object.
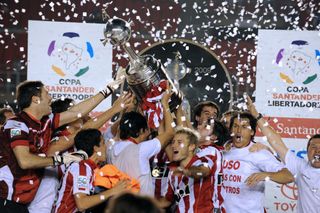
(259, 117)
(107, 91)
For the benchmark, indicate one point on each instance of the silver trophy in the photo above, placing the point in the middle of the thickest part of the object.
(177, 70)
(143, 72)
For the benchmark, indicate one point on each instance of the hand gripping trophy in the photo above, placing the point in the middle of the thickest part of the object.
(145, 75)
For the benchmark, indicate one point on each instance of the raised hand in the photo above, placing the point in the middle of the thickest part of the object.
(124, 101)
(167, 94)
(251, 107)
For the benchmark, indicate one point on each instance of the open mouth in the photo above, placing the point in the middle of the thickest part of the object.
(238, 138)
(316, 159)
(175, 152)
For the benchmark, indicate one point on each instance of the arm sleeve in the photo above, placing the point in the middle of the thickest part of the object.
(294, 163)
(147, 149)
(208, 157)
(81, 179)
(206, 161)
(17, 133)
(266, 162)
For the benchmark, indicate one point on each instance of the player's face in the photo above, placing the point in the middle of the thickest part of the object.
(181, 147)
(241, 132)
(314, 152)
(45, 101)
(205, 131)
(207, 113)
(101, 151)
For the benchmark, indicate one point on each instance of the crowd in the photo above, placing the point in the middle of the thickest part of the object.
(54, 158)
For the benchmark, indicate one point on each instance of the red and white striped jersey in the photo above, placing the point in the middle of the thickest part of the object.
(215, 154)
(77, 179)
(202, 195)
(21, 185)
(159, 173)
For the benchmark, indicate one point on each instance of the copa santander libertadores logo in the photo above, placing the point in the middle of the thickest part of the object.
(298, 63)
(70, 55)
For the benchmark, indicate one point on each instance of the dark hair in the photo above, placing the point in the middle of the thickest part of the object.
(26, 90)
(199, 107)
(252, 120)
(61, 105)
(131, 203)
(86, 139)
(58, 106)
(192, 135)
(222, 133)
(313, 137)
(3, 117)
(231, 113)
(131, 124)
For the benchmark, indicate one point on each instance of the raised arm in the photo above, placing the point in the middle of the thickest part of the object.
(167, 135)
(182, 119)
(120, 104)
(273, 138)
(86, 106)
(64, 143)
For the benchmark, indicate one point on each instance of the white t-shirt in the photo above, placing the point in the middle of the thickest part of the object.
(307, 179)
(133, 159)
(46, 193)
(238, 165)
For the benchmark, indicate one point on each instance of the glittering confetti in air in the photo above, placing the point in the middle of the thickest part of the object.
(228, 28)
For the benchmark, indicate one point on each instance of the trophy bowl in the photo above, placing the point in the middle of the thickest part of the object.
(144, 74)
(118, 31)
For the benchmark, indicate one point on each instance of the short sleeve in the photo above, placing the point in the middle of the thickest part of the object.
(294, 163)
(147, 149)
(267, 162)
(81, 178)
(17, 133)
(208, 157)
(206, 161)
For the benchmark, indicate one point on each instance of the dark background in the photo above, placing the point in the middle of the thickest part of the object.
(228, 28)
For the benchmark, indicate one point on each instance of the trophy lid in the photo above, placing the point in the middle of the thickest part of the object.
(117, 30)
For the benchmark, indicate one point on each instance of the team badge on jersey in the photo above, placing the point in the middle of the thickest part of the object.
(155, 172)
(15, 132)
(82, 182)
(180, 193)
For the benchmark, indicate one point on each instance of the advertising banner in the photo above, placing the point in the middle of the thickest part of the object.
(69, 59)
(288, 95)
